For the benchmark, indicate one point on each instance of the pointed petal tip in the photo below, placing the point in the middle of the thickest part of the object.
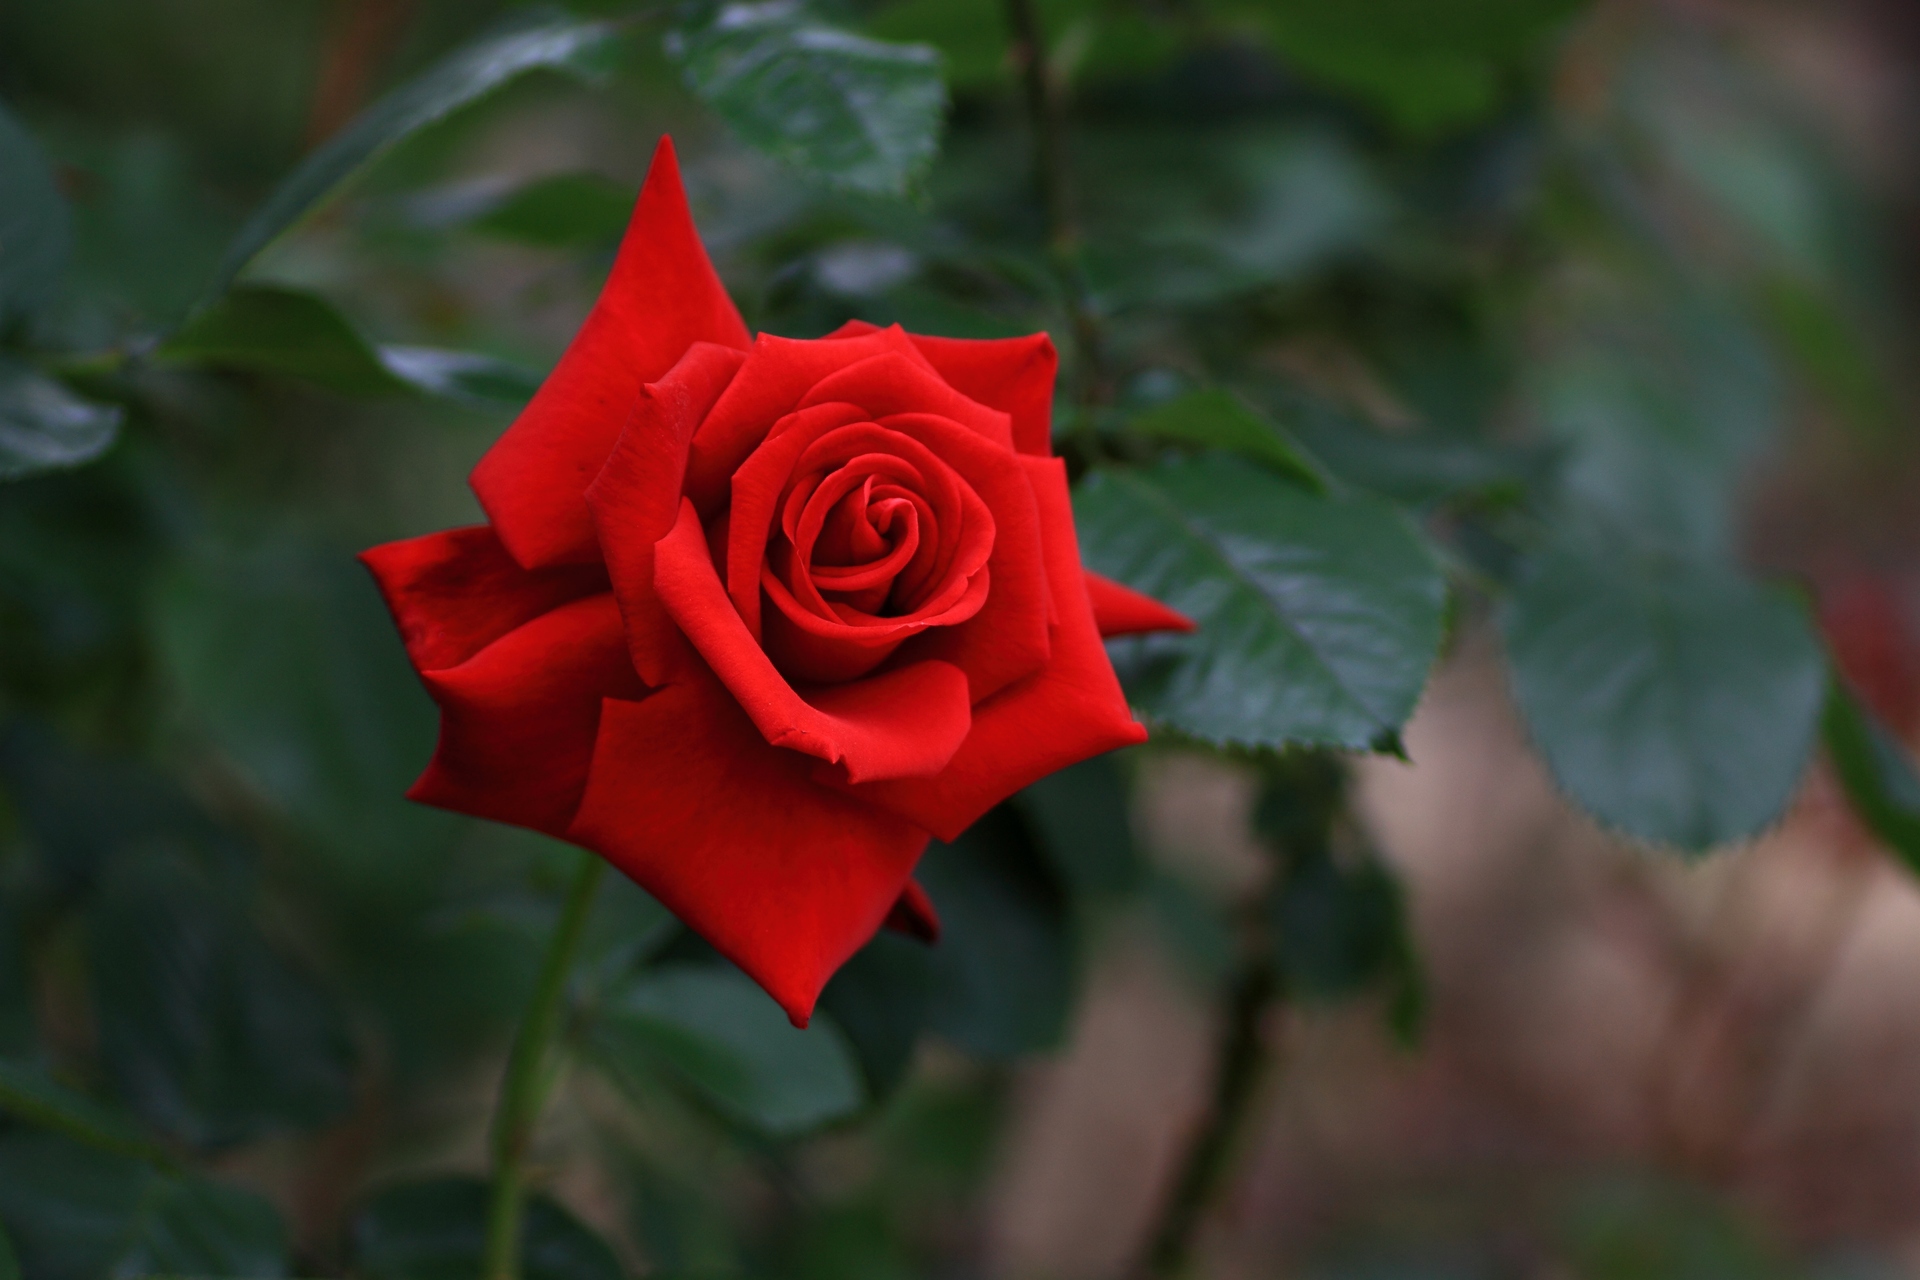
(1121, 611)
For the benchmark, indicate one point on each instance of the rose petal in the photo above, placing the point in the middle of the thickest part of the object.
(453, 593)
(904, 723)
(1013, 375)
(778, 372)
(785, 878)
(1121, 611)
(518, 718)
(662, 297)
(1067, 712)
(636, 497)
(897, 382)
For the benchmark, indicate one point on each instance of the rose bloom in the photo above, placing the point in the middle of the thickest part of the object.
(752, 618)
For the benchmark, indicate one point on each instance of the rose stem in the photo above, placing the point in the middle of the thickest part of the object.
(524, 1091)
(1053, 176)
(1304, 796)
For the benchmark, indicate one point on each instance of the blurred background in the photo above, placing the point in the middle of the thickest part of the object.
(1440, 240)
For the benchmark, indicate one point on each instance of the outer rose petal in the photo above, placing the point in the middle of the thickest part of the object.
(902, 723)
(454, 593)
(636, 497)
(1071, 710)
(662, 297)
(1121, 611)
(1013, 375)
(785, 878)
(518, 718)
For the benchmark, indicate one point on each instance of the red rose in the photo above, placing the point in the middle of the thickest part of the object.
(753, 617)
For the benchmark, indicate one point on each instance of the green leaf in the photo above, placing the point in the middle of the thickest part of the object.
(77, 1214)
(460, 375)
(727, 1040)
(882, 999)
(461, 78)
(267, 329)
(30, 1095)
(205, 1029)
(282, 654)
(9, 1259)
(1081, 817)
(1677, 703)
(45, 427)
(1319, 615)
(1427, 65)
(860, 113)
(1002, 971)
(1217, 418)
(436, 1230)
(1876, 771)
(565, 211)
(36, 235)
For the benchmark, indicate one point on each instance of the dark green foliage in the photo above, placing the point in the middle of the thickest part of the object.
(862, 113)
(44, 426)
(725, 1039)
(456, 81)
(1319, 615)
(1001, 973)
(35, 228)
(434, 1231)
(259, 329)
(566, 211)
(1676, 703)
(76, 1213)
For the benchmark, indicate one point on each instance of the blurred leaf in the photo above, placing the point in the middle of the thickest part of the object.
(44, 426)
(437, 1231)
(882, 999)
(1876, 771)
(1081, 816)
(267, 329)
(460, 375)
(565, 211)
(1341, 929)
(1658, 411)
(9, 1260)
(283, 655)
(36, 235)
(1422, 468)
(204, 1029)
(1319, 616)
(28, 1094)
(542, 41)
(1676, 703)
(77, 1214)
(1002, 971)
(1427, 65)
(727, 1040)
(1217, 418)
(860, 113)
(1648, 1229)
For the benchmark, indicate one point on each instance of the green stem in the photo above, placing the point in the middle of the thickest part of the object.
(524, 1091)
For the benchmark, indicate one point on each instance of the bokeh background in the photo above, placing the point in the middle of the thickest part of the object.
(1432, 237)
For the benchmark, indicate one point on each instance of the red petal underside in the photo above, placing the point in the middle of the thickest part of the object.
(453, 593)
(1121, 611)
(662, 297)
(518, 718)
(1071, 710)
(1013, 375)
(785, 878)
(636, 497)
(902, 723)
(914, 915)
